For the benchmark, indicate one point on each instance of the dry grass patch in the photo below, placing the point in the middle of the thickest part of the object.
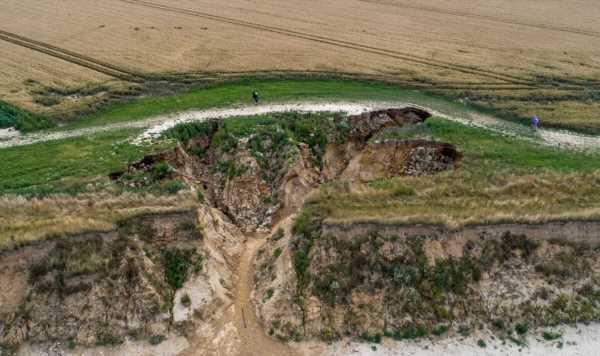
(456, 199)
(24, 220)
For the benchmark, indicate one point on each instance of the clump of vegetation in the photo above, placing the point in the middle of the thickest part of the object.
(439, 330)
(307, 228)
(22, 120)
(549, 335)
(174, 186)
(481, 343)
(375, 338)
(522, 328)
(160, 171)
(178, 264)
(188, 131)
(156, 339)
(278, 235)
(230, 169)
(186, 301)
(414, 331)
(106, 338)
(157, 178)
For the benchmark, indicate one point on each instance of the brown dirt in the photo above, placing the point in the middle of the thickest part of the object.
(254, 340)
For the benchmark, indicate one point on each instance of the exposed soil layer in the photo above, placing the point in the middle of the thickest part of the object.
(328, 281)
(192, 274)
(573, 231)
(253, 169)
(101, 288)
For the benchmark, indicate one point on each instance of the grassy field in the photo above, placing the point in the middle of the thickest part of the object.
(499, 180)
(66, 165)
(497, 53)
(270, 91)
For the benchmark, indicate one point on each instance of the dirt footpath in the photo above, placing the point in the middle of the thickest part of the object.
(254, 341)
(156, 125)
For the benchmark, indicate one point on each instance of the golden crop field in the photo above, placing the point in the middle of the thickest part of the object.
(521, 56)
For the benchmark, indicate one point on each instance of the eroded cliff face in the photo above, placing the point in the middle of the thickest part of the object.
(161, 275)
(101, 288)
(259, 172)
(329, 281)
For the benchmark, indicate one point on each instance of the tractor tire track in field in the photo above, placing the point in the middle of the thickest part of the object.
(490, 18)
(72, 57)
(155, 126)
(132, 76)
(343, 44)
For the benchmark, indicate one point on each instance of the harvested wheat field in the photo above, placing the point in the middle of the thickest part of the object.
(517, 57)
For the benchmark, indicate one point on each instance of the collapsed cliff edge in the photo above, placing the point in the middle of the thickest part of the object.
(176, 275)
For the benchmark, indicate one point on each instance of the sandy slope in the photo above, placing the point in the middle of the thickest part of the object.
(582, 340)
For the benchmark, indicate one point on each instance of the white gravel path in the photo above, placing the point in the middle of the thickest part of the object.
(156, 125)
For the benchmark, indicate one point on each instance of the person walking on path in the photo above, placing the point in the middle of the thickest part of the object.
(255, 97)
(535, 122)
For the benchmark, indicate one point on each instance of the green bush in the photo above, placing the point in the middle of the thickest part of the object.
(498, 324)
(522, 329)
(439, 330)
(174, 186)
(551, 335)
(410, 332)
(160, 171)
(186, 301)
(185, 132)
(177, 264)
(22, 120)
(277, 252)
(307, 228)
(278, 235)
(481, 344)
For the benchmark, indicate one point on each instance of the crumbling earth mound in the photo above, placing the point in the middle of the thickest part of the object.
(405, 158)
(254, 169)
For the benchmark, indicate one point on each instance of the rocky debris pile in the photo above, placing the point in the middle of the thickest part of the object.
(428, 157)
(400, 158)
(362, 127)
